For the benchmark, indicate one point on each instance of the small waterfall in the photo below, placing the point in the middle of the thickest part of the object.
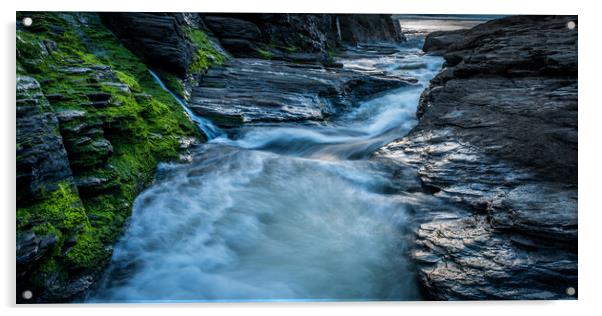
(339, 29)
(282, 211)
(206, 126)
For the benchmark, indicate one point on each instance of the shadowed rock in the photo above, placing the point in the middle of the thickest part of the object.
(299, 37)
(41, 157)
(255, 90)
(154, 37)
(498, 136)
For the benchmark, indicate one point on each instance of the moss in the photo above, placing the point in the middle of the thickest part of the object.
(142, 123)
(290, 49)
(206, 55)
(264, 53)
(61, 208)
(128, 80)
(173, 83)
(87, 251)
(331, 51)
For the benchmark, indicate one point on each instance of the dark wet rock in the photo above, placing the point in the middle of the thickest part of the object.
(70, 115)
(55, 97)
(121, 86)
(438, 42)
(154, 37)
(517, 46)
(299, 37)
(227, 27)
(41, 157)
(99, 96)
(32, 247)
(366, 28)
(254, 90)
(464, 259)
(92, 185)
(497, 136)
(76, 70)
(241, 47)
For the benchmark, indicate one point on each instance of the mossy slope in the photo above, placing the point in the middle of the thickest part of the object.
(116, 124)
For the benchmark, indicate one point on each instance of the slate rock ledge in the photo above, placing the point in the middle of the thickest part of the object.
(498, 137)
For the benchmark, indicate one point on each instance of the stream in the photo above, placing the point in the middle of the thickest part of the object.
(281, 211)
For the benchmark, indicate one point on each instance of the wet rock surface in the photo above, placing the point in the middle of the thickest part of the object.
(155, 37)
(42, 160)
(299, 37)
(498, 137)
(248, 90)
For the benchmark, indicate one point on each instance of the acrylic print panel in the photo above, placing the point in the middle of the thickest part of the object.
(186, 157)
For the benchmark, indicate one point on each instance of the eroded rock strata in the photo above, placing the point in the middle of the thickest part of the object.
(497, 136)
(299, 37)
(248, 90)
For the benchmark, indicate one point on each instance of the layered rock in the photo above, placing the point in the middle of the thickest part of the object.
(498, 137)
(299, 37)
(164, 41)
(255, 90)
(91, 127)
(367, 28)
(155, 37)
(42, 161)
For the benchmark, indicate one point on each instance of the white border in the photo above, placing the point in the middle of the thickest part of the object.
(589, 145)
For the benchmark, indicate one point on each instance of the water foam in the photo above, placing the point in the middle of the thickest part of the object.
(278, 213)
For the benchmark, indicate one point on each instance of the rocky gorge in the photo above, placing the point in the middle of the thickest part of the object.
(194, 151)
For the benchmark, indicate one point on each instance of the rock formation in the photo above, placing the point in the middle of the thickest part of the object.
(299, 37)
(497, 136)
(251, 90)
(91, 127)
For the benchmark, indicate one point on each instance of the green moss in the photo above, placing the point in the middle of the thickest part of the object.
(86, 252)
(128, 80)
(264, 53)
(207, 55)
(61, 208)
(143, 125)
(173, 83)
(332, 51)
(290, 49)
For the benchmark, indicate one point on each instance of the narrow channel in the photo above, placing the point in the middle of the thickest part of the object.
(281, 211)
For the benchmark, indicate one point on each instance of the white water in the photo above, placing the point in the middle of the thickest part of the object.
(278, 212)
(210, 130)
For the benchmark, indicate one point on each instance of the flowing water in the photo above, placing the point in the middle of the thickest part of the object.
(279, 212)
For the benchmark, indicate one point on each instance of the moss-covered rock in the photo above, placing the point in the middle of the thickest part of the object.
(176, 45)
(86, 97)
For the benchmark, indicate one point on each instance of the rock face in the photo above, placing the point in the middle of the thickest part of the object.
(154, 37)
(498, 137)
(42, 160)
(253, 90)
(91, 127)
(365, 28)
(299, 37)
